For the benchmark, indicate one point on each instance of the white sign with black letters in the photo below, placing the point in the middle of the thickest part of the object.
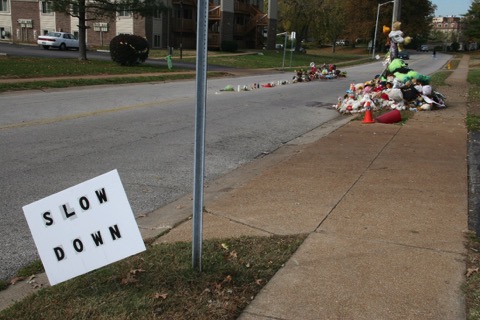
(84, 227)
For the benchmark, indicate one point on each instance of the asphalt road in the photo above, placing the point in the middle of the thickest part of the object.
(54, 139)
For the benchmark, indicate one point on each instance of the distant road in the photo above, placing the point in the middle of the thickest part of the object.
(39, 52)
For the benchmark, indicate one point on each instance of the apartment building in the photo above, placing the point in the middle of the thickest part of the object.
(450, 27)
(242, 21)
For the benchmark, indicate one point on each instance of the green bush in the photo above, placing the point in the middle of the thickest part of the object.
(229, 46)
(129, 49)
(455, 46)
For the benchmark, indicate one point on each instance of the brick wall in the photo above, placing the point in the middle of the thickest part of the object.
(62, 22)
(25, 10)
(139, 26)
(101, 38)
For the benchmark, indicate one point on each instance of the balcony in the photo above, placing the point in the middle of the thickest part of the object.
(187, 25)
(214, 13)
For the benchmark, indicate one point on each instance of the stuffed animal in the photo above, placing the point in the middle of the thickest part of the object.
(386, 30)
(397, 40)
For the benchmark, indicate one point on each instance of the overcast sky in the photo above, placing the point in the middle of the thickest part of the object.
(451, 7)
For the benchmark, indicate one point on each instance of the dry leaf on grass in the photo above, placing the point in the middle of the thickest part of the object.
(130, 278)
(17, 279)
(471, 271)
(160, 295)
(135, 271)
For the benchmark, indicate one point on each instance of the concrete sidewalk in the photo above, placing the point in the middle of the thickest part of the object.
(385, 207)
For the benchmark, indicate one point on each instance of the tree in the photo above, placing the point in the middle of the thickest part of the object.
(361, 18)
(416, 18)
(86, 10)
(298, 16)
(331, 20)
(352, 19)
(415, 15)
(471, 28)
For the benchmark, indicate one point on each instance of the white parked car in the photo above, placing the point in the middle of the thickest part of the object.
(60, 40)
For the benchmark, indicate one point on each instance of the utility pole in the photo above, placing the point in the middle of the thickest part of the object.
(181, 30)
(396, 16)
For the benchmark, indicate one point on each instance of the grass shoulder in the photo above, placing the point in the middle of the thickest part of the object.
(160, 283)
(16, 72)
(471, 287)
(473, 115)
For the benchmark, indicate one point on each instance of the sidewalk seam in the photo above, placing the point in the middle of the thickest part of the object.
(357, 180)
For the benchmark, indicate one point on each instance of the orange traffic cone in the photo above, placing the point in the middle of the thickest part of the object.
(368, 115)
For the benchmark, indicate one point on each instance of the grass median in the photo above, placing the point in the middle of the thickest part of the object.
(18, 73)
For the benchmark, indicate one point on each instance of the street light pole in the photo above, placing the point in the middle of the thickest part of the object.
(376, 28)
(181, 30)
(396, 11)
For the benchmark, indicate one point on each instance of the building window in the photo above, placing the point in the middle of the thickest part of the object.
(157, 14)
(124, 12)
(4, 6)
(46, 7)
(157, 41)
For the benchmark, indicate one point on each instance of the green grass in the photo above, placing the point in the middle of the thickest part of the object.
(31, 269)
(49, 70)
(160, 283)
(65, 83)
(474, 77)
(15, 67)
(472, 285)
(438, 78)
(274, 59)
(473, 120)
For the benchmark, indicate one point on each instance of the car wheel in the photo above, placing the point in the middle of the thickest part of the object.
(63, 47)
(46, 47)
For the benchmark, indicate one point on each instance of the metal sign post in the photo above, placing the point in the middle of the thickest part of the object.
(285, 34)
(199, 153)
(293, 35)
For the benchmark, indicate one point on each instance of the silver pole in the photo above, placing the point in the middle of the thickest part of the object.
(199, 152)
(376, 26)
(396, 11)
(375, 35)
(285, 34)
(291, 49)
